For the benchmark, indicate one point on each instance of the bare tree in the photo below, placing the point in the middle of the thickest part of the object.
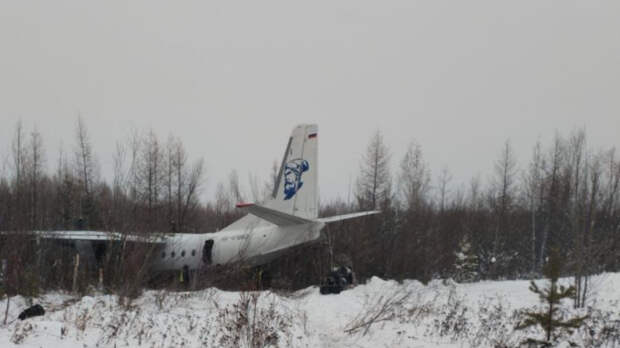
(234, 188)
(65, 192)
(149, 175)
(612, 173)
(222, 205)
(19, 165)
(187, 202)
(374, 183)
(412, 240)
(504, 187)
(5, 201)
(475, 195)
(120, 206)
(611, 211)
(134, 144)
(374, 191)
(533, 188)
(85, 165)
(170, 162)
(253, 181)
(576, 171)
(19, 153)
(222, 201)
(37, 160)
(552, 198)
(414, 179)
(443, 186)
(586, 251)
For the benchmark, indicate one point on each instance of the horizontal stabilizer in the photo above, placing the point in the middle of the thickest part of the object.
(348, 216)
(274, 216)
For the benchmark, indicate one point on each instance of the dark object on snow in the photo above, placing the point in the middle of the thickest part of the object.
(30, 312)
(337, 280)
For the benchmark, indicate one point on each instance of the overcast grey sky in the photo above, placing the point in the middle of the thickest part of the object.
(233, 78)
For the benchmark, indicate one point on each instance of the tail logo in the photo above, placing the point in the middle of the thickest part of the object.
(293, 171)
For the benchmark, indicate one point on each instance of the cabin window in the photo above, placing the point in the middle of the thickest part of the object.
(172, 254)
(163, 255)
(193, 252)
(183, 253)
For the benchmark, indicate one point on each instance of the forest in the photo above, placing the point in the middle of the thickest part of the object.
(503, 227)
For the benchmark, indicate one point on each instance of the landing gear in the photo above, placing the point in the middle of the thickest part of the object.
(337, 280)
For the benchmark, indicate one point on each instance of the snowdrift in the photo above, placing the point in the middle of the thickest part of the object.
(376, 314)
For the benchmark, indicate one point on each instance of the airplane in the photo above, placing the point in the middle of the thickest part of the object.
(288, 219)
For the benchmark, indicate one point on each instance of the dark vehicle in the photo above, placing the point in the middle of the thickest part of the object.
(337, 280)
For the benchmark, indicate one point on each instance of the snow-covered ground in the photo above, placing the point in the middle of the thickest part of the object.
(376, 314)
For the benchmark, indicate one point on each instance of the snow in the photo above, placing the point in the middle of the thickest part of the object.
(407, 314)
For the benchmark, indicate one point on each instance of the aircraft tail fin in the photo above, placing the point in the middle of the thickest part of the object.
(296, 189)
(295, 197)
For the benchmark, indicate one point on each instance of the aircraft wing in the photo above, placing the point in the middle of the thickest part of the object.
(348, 216)
(100, 236)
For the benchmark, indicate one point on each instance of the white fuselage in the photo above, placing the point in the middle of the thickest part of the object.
(257, 243)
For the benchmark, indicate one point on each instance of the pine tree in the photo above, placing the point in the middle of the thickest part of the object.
(549, 317)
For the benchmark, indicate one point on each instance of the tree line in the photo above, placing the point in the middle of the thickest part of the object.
(565, 198)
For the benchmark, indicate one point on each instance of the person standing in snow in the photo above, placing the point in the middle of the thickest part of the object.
(184, 277)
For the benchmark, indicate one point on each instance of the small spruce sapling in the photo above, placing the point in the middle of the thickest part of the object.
(549, 317)
(466, 264)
